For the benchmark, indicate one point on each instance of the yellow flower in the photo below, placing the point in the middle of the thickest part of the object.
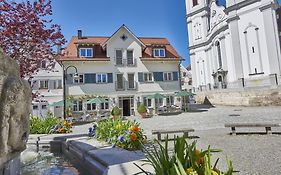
(190, 171)
(214, 172)
(118, 126)
(133, 137)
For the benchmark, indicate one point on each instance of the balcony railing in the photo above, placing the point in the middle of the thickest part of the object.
(132, 62)
(131, 85)
(119, 85)
(125, 62)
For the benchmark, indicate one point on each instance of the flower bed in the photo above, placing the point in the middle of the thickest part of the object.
(185, 159)
(49, 125)
(124, 134)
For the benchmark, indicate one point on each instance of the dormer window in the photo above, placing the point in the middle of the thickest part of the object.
(194, 2)
(86, 52)
(159, 52)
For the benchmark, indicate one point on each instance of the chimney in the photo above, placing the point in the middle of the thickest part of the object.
(79, 34)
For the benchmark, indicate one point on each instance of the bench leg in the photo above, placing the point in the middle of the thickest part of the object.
(268, 130)
(159, 136)
(233, 131)
(185, 134)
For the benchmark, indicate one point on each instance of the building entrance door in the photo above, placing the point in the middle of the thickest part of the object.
(126, 107)
(126, 104)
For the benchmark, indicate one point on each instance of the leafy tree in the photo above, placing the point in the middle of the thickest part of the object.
(27, 33)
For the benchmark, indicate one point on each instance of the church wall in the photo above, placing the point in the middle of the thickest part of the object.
(229, 57)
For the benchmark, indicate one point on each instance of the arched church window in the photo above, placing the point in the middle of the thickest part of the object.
(219, 53)
(220, 78)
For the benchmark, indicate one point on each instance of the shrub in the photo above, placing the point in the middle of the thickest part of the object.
(185, 159)
(142, 109)
(116, 111)
(124, 134)
(48, 125)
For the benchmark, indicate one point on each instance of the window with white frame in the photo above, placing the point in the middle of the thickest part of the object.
(104, 105)
(168, 76)
(148, 77)
(159, 102)
(43, 64)
(159, 52)
(91, 107)
(170, 100)
(86, 52)
(101, 78)
(79, 80)
(119, 57)
(77, 106)
(147, 102)
(44, 84)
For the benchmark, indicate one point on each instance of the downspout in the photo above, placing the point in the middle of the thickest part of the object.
(179, 70)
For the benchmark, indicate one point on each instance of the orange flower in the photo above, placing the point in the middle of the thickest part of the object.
(59, 130)
(135, 128)
(66, 123)
(200, 159)
(134, 137)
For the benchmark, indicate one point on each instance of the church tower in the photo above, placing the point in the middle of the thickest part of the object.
(197, 20)
(198, 25)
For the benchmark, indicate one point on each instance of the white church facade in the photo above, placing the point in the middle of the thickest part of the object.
(234, 46)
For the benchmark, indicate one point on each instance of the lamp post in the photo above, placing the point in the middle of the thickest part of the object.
(76, 77)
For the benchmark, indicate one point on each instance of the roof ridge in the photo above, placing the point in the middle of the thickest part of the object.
(93, 36)
(145, 37)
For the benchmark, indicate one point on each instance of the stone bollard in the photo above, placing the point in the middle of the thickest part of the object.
(15, 101)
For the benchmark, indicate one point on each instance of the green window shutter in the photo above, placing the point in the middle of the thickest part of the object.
(109, 78)
(175, 76)
(140, 76)
(89, 78)
(158, 76)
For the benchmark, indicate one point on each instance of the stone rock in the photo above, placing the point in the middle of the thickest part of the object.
(15, 101)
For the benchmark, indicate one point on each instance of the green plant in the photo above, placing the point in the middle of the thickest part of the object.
(116, 111)
(142, 108)
(184, 160)
(124, 134)
(48, 125)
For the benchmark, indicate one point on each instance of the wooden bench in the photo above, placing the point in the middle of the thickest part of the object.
(185, 132)
(267, 126)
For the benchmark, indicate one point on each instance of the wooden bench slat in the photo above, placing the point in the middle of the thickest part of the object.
(163, 131)
(252, 125)
(185, 132)
(267, 126)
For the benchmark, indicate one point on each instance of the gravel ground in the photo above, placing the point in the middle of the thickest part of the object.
(251, 154)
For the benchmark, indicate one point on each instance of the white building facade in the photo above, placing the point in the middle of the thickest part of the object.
(47, 85)
(122, 68)
(236, 46)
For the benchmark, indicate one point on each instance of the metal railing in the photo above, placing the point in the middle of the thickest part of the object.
(131, 85)
(125, 62)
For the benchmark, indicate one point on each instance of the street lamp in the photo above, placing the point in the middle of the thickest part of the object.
(76, 77)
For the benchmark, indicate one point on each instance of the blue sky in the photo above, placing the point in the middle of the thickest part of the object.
(148, 18)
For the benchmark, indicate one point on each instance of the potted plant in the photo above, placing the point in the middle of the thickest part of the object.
(142, 110)
(116, 112)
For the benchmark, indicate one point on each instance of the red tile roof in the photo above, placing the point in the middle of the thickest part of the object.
(70, 53)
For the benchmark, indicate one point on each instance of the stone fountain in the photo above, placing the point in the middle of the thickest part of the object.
(15, 101)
